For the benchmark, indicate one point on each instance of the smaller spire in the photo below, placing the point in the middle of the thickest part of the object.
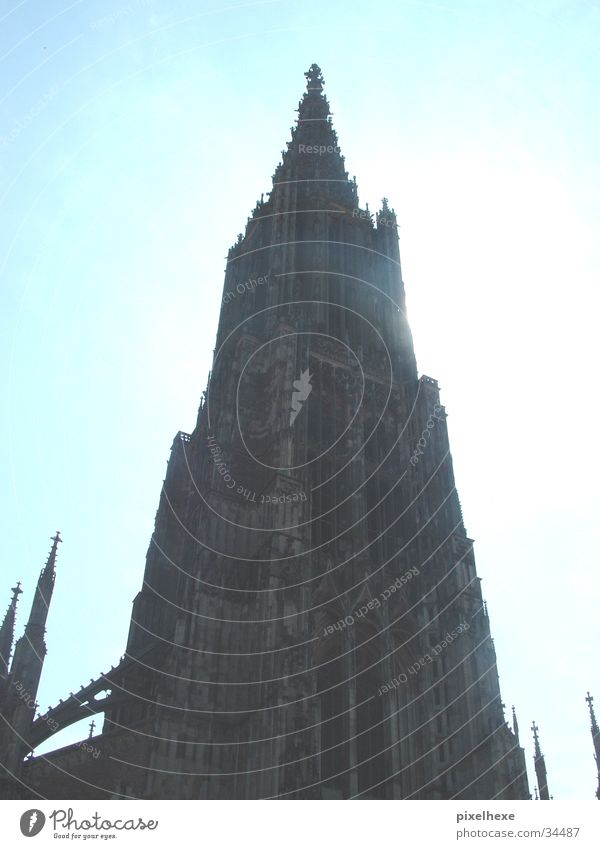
(52, 556)
(539, 763)
(7, 630)
(30, 649)
(515, 724)
(595, 738)
(590, 700)
(536, 740)
(43, 590)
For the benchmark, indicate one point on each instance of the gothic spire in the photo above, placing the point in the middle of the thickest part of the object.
(540, 764)
(44, 588)
(515, 724)
(312, 167)
(26, 670)
(595, 738)
(30, 649)
(7, 631)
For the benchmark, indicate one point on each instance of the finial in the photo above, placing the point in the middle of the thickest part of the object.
(590, 700)
(536, 740)
(314, 79)
(92, 726)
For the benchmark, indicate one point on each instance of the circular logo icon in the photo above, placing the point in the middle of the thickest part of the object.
(32, 822)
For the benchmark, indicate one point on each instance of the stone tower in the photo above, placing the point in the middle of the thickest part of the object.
(310, 622)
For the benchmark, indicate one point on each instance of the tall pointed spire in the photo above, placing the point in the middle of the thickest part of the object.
(7, 631)
(540, 764)
(312, 168)
(595, 738)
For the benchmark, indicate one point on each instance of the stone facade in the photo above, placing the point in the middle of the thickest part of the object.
(310, 623)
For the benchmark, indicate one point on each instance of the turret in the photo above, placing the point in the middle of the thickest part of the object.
(540, 764)
(595, 738)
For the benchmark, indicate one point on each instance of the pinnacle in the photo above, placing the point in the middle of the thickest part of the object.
(314, 79)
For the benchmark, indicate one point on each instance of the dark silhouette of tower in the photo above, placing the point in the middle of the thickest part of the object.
(540, 764)
(310, 622)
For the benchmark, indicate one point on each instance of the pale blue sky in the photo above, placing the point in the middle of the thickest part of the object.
(135, 138)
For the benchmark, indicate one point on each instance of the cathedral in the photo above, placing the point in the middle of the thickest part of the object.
(310, 623)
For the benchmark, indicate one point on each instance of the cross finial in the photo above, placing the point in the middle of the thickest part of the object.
(536, 740)
(590, 700)
(92, 726)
